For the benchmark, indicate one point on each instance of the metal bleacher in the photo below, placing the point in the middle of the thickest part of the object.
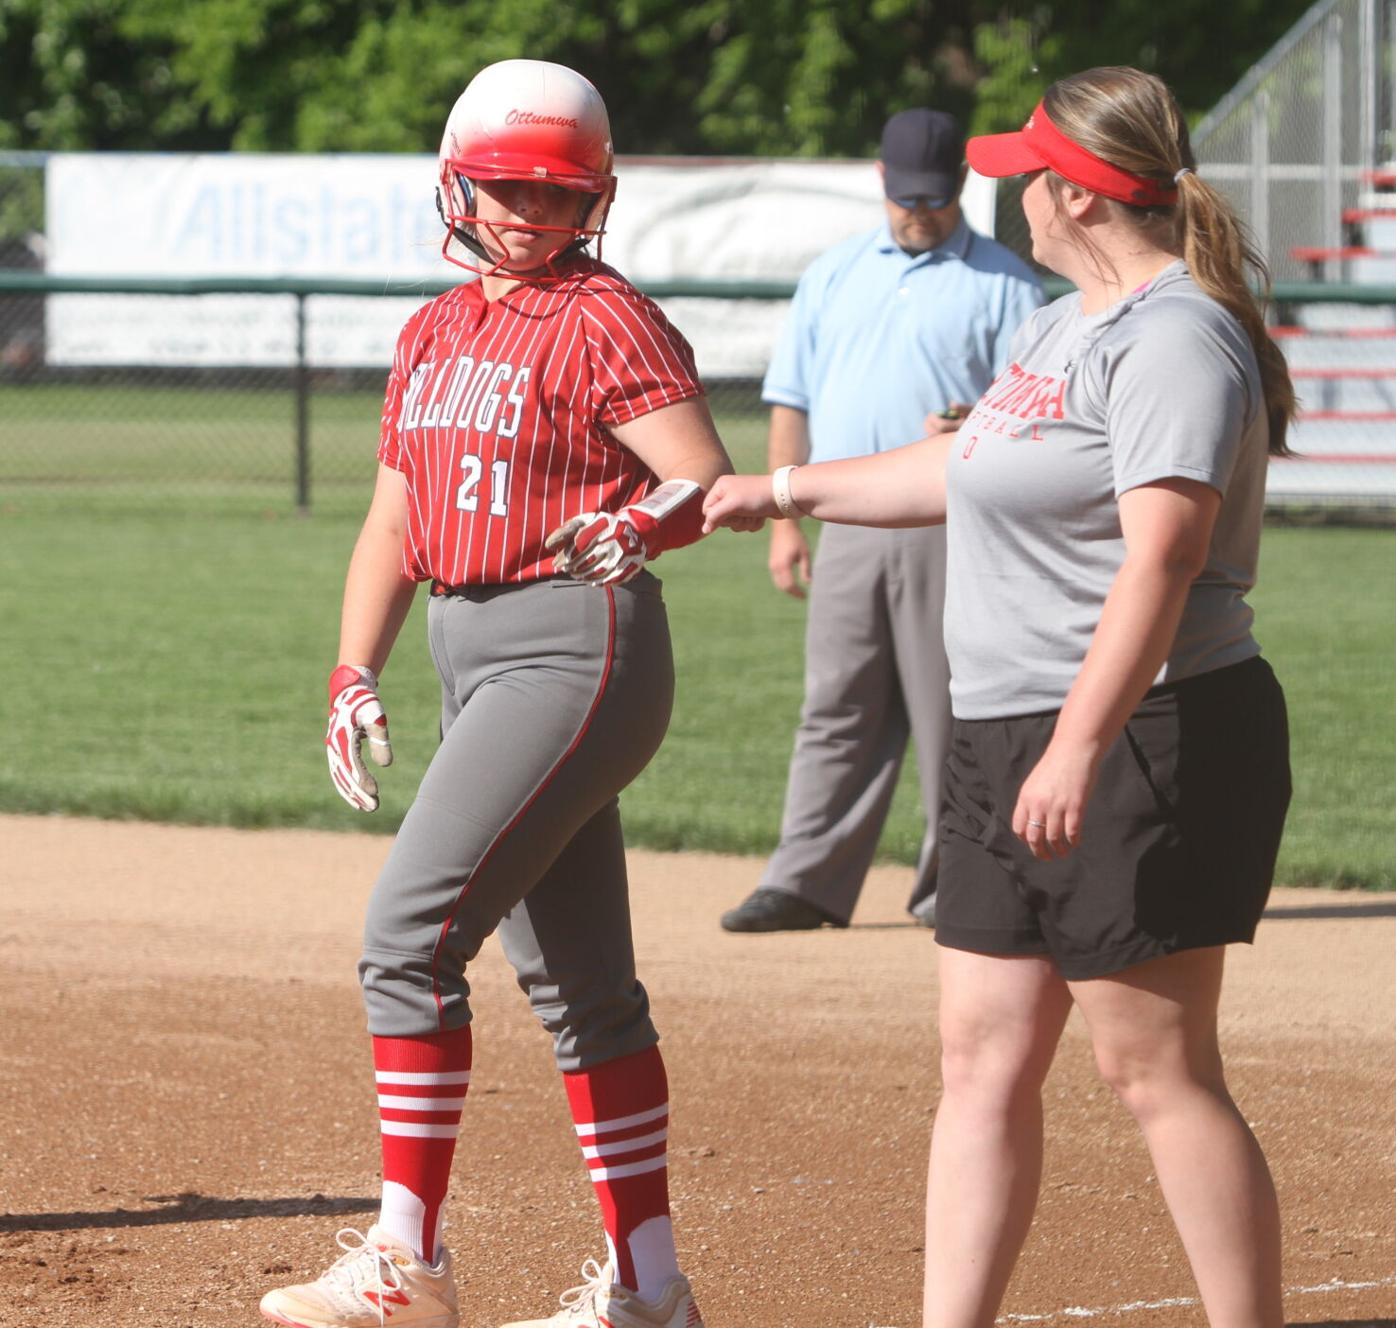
(1305, 147)
(1342, 358)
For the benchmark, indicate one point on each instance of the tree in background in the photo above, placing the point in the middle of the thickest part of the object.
(786, 77)
(73, 78)
(1201, 51)
(779, 78)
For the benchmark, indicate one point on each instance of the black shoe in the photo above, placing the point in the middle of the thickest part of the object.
(774, 910)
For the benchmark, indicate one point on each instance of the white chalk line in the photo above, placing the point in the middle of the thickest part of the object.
(1183, 1302)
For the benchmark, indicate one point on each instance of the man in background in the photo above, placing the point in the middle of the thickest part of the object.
(891, 334)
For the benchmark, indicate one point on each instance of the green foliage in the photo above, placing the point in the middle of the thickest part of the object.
(782, 78)
(71, 77)
(21, 202)
(799, 79)
(1199, 49)
(253, 65)
(1013, 52)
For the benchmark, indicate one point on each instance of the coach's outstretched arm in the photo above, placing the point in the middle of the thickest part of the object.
(904, 487)
(377, 597)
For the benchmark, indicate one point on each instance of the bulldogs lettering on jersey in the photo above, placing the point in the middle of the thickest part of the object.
(499, 415)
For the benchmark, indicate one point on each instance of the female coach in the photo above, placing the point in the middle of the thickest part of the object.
(548, 396)
(1118, 776)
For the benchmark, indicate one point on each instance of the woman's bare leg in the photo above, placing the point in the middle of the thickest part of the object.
(1154, 1029)
(1000, 1021)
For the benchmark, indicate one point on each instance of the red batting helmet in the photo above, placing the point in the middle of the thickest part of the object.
(525, 120)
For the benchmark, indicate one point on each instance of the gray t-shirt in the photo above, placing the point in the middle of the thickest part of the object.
(1162, 384)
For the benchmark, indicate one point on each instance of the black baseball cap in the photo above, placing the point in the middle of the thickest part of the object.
(922, 151)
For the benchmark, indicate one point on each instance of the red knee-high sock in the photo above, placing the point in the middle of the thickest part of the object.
(421, 1089)
(621, 1110)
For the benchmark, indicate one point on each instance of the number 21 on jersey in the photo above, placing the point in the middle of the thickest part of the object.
(468, 494)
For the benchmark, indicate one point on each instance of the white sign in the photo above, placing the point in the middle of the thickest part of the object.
(374, 218)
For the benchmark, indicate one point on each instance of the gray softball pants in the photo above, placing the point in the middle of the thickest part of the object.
(875, 673)
(554, 696)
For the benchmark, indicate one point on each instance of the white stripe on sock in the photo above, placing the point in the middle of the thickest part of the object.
(628, 1169)
(412, 1130)
(421, 1103)
(413, 1077)
(623, 1122)
(625, 1145)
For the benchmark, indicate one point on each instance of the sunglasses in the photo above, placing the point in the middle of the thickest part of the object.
(923, 201)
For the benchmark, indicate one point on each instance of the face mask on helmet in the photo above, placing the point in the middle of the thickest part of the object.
(465, 228)
(524, 120)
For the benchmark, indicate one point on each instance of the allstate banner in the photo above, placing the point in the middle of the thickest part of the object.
(374, 218)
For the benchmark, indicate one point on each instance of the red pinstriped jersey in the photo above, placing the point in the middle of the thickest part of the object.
(497, 413)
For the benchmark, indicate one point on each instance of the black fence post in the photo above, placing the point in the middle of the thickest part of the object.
(302, 412)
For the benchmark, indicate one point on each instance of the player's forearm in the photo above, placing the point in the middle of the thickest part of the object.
(679, 443)
(904, 487)
(377, 598)
(701, 463)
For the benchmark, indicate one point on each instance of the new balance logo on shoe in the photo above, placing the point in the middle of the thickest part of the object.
(383, 1301)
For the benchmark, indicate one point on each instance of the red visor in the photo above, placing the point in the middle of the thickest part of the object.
(1040, 143)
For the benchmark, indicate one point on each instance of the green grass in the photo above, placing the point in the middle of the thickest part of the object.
(227, 450)
(165, 646)
(196, 448)
(173, 668)
(1326, 618)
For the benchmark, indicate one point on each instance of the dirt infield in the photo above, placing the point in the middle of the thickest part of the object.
(188, 1114)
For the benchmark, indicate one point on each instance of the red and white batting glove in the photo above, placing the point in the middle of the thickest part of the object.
(355, 714)
(608, 548)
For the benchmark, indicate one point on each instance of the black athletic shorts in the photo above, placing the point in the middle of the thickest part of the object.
(1178, 843)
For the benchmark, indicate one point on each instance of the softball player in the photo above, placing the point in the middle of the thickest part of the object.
(543, 437)
(1118, 773)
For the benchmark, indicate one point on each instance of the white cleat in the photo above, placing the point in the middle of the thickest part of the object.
(601, 1303)
(376, 1283)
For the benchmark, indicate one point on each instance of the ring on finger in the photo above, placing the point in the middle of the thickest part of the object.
(1039, 825)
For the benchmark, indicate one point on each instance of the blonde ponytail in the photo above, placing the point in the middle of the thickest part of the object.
(1131, 119)
(1219, 255)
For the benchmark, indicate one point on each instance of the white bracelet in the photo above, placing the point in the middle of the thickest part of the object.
(780, 491)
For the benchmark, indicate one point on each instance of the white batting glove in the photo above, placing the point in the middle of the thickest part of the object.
(608, 548)
(355, 714)
(601, 548)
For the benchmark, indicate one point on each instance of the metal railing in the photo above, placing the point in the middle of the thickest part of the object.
(36, 368)
(1296, 144)
(71, 429)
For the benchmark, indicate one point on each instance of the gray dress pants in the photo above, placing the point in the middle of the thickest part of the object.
(875, 673)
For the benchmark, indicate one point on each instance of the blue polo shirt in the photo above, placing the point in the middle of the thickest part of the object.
(877, 337)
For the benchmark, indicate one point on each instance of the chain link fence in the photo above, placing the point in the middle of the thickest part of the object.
(80, 427)
(92, 416)
(232, 394)
(21, 250)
